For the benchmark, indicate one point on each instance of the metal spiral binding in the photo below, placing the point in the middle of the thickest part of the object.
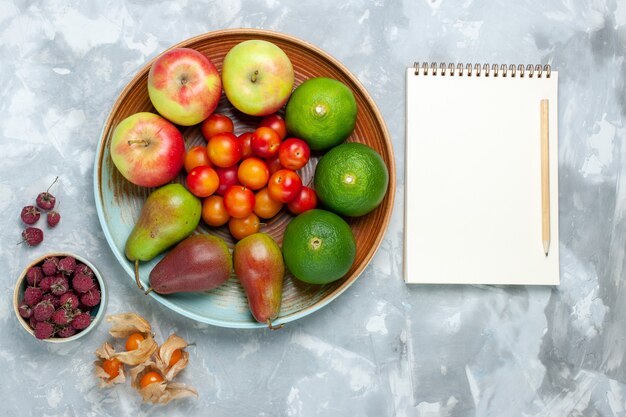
(484, 70)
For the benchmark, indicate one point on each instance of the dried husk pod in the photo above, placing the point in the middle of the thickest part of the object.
(159, 392)
(164, 355)
(106, 352)
(125, 324)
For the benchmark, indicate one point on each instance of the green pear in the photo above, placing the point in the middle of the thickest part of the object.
(201, 262)
(259, 265)
(170, 214)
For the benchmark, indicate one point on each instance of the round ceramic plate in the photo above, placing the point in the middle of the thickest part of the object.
(119, 202)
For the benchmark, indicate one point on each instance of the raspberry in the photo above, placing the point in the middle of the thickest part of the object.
(83, 283)
(25, 310)
(66, 331)
(32, 236)
(53, 218)
(59, 285)
(56, 302)
(69, 300)
(34, 276)
(44, 330)
(91, 298)
(62, 316)
(43, 310)
(30, 215)
(46, 200)
(67, 265)
(46, 282)
(83, 269)
(50, 265)
(81, 321)
(32, 296)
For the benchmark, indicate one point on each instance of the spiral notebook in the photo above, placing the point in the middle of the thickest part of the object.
(481, 180)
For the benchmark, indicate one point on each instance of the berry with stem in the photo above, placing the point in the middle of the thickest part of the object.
(81, 321)
(59, 285)
(45, 200)
(34, 276)
(25, 310)
(43, 310)
(55, 300)
(67, 265)
(62, 316)
(32, 296)
(91, 298)
(66, 331)
(69, 300)
(32, 236)
(83, 269)
(50, 265)
(82, 283)
(53, 218)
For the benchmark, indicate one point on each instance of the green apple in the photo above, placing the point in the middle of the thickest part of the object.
(184, 86)
(257, 77)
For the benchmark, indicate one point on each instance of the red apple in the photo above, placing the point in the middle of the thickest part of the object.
(147, 149)
(184, 86)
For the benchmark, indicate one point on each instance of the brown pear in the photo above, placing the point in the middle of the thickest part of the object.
(199, 263)
(259, 265)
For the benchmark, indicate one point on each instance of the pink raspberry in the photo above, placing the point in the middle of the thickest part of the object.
(30, 215)
(46, 200)
(67, 265)
(82, 283)
(69, 300)
(81, 321)
(25, 310)
(62, 316)
(83, 269)
(46, 282)
(33, 236)
(66, 331)
(50, 265)
(32, 322)
(43, 310)
(34, 276)
(53, 218)
(55, 300)
(91, 298)
(32, 296)
(59, 285)
(44, 330)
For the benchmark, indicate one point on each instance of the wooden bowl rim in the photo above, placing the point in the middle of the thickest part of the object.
(388, 146)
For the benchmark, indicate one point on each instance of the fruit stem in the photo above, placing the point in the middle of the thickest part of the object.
(53, 182)
(148, 291)
(143, 142)
(272, 327)
(137, 274)
(254, 75)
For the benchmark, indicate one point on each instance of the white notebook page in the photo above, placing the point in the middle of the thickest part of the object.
(473, 180)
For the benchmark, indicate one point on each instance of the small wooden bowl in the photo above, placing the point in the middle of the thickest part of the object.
(97, 312)
(119, 202)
